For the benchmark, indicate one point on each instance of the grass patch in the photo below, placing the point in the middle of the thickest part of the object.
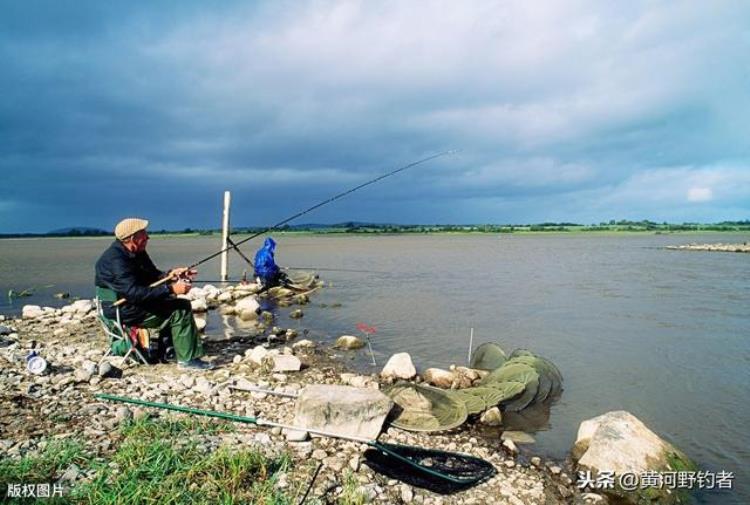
(42, 467)
(350, 493)
(159, 461)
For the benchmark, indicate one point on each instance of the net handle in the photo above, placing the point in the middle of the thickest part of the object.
(261, 422)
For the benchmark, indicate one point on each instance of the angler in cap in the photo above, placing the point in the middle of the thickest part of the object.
(127, 269)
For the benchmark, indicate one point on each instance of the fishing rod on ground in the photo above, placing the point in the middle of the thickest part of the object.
(235, 245)
(434, 469)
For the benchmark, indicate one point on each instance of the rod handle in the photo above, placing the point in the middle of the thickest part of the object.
(152, 285)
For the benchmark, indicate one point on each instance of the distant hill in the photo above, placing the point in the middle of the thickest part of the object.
(78, 230)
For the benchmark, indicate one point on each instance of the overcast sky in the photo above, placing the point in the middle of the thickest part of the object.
(578, 111)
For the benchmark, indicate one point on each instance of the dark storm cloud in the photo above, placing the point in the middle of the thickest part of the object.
(577, 111)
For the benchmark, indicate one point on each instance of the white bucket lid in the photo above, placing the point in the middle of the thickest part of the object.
(36, 365)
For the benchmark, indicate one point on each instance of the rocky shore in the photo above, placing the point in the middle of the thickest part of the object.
(737, 248)
(60, 404)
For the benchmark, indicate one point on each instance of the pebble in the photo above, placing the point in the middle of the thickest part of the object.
(510, 446)
(335, 463)
(123, 414)
(407, 495)
(354, 463)
(319, 454)
(105, 369)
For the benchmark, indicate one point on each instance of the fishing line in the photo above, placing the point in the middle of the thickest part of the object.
(325, 202)
(234, 245)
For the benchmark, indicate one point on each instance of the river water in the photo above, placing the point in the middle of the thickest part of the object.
(662, 334)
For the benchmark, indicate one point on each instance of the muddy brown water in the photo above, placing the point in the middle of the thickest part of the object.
(662, 334)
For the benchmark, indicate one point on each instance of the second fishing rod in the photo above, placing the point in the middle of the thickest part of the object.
(235, 245)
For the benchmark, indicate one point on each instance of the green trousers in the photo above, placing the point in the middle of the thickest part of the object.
(177, 315)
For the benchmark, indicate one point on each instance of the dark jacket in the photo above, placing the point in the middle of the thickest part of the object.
(129, 275)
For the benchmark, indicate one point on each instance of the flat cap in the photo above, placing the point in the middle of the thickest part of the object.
(129, 226)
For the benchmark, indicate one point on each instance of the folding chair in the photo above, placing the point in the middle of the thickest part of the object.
(115, 330)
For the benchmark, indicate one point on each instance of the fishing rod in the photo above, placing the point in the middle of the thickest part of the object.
(235, 245)
(325, 202)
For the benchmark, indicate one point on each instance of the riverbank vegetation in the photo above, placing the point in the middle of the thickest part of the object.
(155, 461)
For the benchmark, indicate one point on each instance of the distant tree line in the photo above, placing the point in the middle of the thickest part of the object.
(357, 227)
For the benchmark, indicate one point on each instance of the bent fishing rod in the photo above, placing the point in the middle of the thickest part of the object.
(235, 245)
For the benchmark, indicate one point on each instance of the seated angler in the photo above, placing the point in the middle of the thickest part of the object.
(127, 269)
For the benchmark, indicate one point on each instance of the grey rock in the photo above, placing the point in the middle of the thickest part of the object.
(407, 495)
(295, 435)
(257, 355)
(335, 463)
(70, 474)
(342, 409)
(355, 463)
(439, 377)
(519, 437)
(349, 342)
(619, 442)
(123, 414)
(89, 367)
(594, 499)
(304, 344)
(105, 369)
(286, 363)
(399, 366)
(83, 375)
(492, 417)
(511, 447)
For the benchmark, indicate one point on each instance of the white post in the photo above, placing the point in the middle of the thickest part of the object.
(225, 235)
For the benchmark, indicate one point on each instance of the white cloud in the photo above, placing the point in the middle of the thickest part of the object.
(700, 194)
(671, 192)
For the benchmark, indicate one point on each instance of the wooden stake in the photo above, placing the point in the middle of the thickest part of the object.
(225, 236)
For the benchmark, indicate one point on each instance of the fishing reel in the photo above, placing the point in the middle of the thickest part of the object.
(186, 277)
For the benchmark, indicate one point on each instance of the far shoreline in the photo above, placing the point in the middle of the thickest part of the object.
(363, 233)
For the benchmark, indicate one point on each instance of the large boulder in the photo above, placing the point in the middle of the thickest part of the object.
(399, 366)
(619, 442)
(342, 410)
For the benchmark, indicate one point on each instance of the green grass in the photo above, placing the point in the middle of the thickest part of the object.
(43, 467)
(158, 461)
(350, 493)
